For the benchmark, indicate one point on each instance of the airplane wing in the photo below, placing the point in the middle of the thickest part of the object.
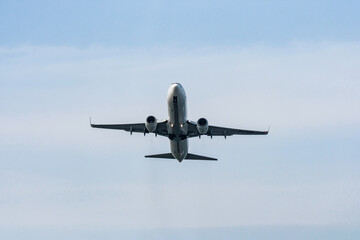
(221, 131)
(161, 128)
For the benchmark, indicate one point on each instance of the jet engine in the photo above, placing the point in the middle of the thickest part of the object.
(151, 123)
(202, 126)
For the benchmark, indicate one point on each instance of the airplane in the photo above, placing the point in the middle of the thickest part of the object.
(178, 128)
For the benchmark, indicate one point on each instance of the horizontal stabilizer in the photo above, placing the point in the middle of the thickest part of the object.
(164, 155)
(189, 156)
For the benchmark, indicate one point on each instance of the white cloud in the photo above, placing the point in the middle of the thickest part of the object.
(32, 202)
(48, 94)
(302, 85)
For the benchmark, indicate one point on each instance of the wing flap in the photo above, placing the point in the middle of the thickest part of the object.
(134, 127)
(221, 131)
(161, 128)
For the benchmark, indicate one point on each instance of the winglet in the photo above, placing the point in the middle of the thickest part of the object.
(90, 122)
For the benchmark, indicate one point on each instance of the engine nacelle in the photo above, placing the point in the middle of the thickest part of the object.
(202, 126)
(151, 123)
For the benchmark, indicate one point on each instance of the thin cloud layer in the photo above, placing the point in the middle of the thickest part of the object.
(302, 86)
(58, 172)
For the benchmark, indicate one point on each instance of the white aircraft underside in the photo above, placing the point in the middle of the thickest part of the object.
(177, 128)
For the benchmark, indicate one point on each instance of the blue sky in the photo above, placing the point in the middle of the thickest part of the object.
(245, 64)
(155, 23)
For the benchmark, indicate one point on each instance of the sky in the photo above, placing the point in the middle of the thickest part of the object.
(293, 65)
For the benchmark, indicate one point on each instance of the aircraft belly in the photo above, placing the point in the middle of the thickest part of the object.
(177, 126)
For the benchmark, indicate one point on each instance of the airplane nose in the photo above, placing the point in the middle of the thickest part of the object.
(176, 83)
(177, 88)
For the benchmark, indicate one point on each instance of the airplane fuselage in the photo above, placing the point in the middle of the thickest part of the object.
(178, 128)
(177, 121)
